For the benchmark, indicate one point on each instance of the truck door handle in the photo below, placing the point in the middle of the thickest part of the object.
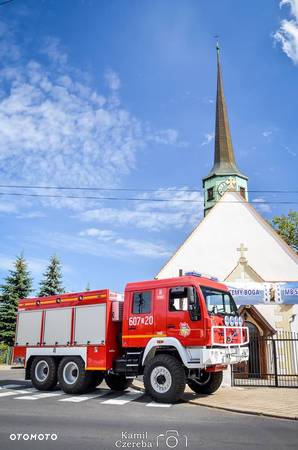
(132, 328)
(171, 325)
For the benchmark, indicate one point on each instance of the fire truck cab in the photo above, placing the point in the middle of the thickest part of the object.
(173, 332)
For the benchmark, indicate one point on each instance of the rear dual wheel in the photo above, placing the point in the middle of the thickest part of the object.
(43, 373)
(74, 378)
(71, 374)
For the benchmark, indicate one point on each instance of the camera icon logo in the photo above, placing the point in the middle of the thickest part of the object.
(171, 439)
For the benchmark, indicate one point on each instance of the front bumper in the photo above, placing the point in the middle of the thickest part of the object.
(204, 357)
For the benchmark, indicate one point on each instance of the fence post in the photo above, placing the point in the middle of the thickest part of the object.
(275, 362)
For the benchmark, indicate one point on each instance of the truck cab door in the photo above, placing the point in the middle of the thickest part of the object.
(184, 319)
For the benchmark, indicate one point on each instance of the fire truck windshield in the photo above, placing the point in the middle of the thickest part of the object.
(219, 302)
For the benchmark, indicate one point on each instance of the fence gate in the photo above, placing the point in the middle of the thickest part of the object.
(273, 361)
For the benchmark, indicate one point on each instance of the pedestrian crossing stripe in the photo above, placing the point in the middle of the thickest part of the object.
(28, 393)
(83, 398)
(123, 399)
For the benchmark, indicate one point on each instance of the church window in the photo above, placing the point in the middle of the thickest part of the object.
(242, 192)
(210, 194)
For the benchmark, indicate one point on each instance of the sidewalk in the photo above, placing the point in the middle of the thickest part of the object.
(4, 367)
(272, 402)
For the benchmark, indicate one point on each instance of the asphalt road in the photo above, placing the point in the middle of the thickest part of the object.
(108, 420)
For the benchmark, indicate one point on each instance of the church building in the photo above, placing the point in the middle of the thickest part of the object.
(233, 242)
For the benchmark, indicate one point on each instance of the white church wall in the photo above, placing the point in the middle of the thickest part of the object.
(212, 247)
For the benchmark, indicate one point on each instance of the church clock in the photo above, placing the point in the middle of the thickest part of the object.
(221, 188)
(228, 184)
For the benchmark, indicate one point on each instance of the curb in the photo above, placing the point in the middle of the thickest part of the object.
(244, 411)
(139, 385)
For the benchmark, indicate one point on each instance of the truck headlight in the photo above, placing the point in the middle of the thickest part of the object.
(227, 321)
(236, 321)
(232, 321)
(240, 321)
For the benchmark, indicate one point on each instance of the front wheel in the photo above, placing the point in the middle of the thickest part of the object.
(206, 383)
(43, 373)
(164, 379)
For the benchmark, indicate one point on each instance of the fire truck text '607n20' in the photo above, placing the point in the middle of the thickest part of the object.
(172, 331)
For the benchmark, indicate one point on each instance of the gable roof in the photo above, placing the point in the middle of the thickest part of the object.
(211, 246)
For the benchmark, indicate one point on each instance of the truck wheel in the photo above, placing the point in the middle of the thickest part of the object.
(97, 378)
(43, 373)
(164, 379)
(117, 382)
(207, 383)
(72, 376)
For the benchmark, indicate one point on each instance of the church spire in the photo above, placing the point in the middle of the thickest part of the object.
(224, 174)
(224, 158)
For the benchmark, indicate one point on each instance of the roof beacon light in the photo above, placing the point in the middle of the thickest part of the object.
(201, 275)
(193, 274)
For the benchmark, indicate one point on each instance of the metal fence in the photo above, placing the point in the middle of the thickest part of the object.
(273, 361)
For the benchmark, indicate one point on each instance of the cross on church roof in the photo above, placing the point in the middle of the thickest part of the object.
(242, 249)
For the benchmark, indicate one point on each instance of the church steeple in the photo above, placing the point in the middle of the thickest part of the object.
(224, 174)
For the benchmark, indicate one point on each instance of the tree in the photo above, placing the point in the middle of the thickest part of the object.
(52, 279)
(18, 284)
(287, 228)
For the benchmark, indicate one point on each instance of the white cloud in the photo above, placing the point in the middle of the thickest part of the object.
(112, 80)
(7, 208)
(291, 152)
(208, 137)
(183, 210)
(287, 34)
(57, 130)
(169, 136)
(54, 130)
(262, 207)
(35, 265)
(108, 244)
(266, 133)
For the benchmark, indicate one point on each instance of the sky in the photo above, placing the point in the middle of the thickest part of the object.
(120, 94)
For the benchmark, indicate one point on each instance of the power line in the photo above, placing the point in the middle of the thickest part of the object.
(91, 197)
(84, 188)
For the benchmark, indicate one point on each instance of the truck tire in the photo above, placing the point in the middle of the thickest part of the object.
(97, 379)
(164, 379)
(117, 382)
(208, 383)
(72, 376)
(43, 373)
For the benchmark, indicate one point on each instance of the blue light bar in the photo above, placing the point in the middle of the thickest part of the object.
(193, 274)
(201, 275)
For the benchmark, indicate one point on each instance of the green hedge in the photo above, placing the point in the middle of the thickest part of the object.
(5, 354)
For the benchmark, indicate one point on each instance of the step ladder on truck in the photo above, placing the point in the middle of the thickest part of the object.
(173, 332)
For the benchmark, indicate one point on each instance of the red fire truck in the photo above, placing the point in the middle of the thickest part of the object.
(171, 331)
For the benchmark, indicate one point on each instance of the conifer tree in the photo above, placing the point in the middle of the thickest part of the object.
(51, 283)
(18, 284)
